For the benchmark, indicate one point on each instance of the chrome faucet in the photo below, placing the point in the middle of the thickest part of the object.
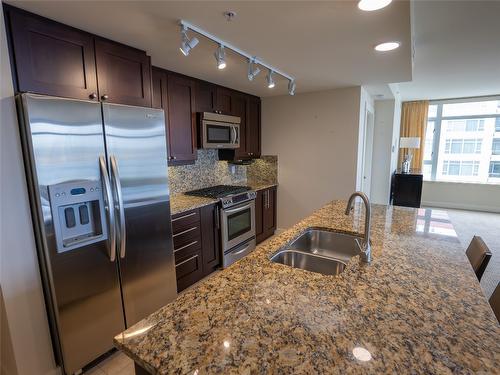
(366, 254)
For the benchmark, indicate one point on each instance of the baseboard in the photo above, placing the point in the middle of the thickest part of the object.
(461, 206)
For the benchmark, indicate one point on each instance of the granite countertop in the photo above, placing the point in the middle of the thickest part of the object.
(181, 202)
(418, 308)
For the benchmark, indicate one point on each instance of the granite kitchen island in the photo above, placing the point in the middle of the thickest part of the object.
(418, 308)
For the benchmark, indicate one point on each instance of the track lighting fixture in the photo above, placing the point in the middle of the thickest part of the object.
(291, 87)
(253, 69)
(220, 56)
(254, 64)
(187, 44)
(270, 80)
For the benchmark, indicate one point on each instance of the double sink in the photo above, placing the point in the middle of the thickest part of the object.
(319, 250)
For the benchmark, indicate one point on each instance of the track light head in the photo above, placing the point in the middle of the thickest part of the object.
(270, 80)
(253, 69)
(291, 87)
(187, 44)
(220, 56)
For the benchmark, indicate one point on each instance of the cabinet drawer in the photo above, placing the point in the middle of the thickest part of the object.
(186, 236)
(184, 220)
(188, 270)
(186, 249)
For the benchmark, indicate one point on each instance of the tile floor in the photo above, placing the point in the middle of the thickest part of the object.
(487, 225)
(116, 364)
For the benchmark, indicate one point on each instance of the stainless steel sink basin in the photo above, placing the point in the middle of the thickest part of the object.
(309, 262)
(330, 244)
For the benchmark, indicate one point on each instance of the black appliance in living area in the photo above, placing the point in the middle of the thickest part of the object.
(236, 217)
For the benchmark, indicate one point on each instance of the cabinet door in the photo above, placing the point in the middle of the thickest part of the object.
(259, 215)
(206, 96)
(181, 119)
(123, 74)
(270, 212)
(159, 88)
(210, 228)
(239, 103)
(52, 58)
(253, 127)
(224, 101)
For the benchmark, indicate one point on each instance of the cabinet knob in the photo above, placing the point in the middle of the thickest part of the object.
(174, 157)
(104, 97)
(93, 95)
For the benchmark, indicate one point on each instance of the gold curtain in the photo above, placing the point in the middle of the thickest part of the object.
(413, 124)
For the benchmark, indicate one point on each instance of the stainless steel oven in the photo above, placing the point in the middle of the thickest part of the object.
(219, 131)
(237, 227)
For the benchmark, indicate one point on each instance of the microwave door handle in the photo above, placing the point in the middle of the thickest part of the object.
(235, 131)
(108, 209)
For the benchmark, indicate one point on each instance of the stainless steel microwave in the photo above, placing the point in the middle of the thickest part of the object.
(219, 131)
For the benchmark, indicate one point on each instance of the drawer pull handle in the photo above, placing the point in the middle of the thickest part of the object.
(185, 246)
(187, 260)
(185, 216)
(185, 231)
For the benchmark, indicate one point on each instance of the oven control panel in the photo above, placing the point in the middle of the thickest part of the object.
(231, 200)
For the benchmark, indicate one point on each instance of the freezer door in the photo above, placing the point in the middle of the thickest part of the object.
(136, 146)
(63, 143)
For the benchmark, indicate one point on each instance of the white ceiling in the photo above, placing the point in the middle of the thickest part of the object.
(324, 44)
(457, 47)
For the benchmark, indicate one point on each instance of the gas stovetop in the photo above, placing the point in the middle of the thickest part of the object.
(218, 191)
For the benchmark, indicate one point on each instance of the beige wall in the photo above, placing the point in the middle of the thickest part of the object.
(26, 345)
(461, 195)
(315, 136)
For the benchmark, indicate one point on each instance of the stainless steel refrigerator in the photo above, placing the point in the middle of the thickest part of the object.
(98, 183)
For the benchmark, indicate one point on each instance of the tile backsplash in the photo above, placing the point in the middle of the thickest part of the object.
(209, 171)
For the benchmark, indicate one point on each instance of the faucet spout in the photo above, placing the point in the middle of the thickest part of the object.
(365, 248)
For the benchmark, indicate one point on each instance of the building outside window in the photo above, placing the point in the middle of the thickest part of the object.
(462, 141)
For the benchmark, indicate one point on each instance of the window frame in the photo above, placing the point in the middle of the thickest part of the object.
(438, 122)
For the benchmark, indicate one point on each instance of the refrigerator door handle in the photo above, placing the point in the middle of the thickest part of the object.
(109, 209)
(115, 177)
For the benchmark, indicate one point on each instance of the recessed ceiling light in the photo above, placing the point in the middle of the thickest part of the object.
(369, 5)
(388, 46)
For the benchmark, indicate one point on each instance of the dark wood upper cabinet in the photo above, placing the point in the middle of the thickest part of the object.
(181, 115)
(159, 88)
(253, 127)
(206, 97)
(240, 107)
(225, 101)
(123, 74)
(51, 58)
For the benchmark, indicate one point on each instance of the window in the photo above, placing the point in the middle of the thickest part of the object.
(462, 143)
(495, 169)
(495, 147)
(463, 146)
(460, 168)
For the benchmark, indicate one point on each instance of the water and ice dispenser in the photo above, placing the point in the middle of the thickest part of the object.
(78, 214)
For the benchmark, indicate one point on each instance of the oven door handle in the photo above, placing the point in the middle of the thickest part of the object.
(242, 250)
(242, 208)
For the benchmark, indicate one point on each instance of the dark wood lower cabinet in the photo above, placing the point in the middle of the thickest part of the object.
(406, 189)
(196, 245)
(265, 213)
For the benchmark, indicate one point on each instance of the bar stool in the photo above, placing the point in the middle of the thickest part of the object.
(479, 255)
(495, 302)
